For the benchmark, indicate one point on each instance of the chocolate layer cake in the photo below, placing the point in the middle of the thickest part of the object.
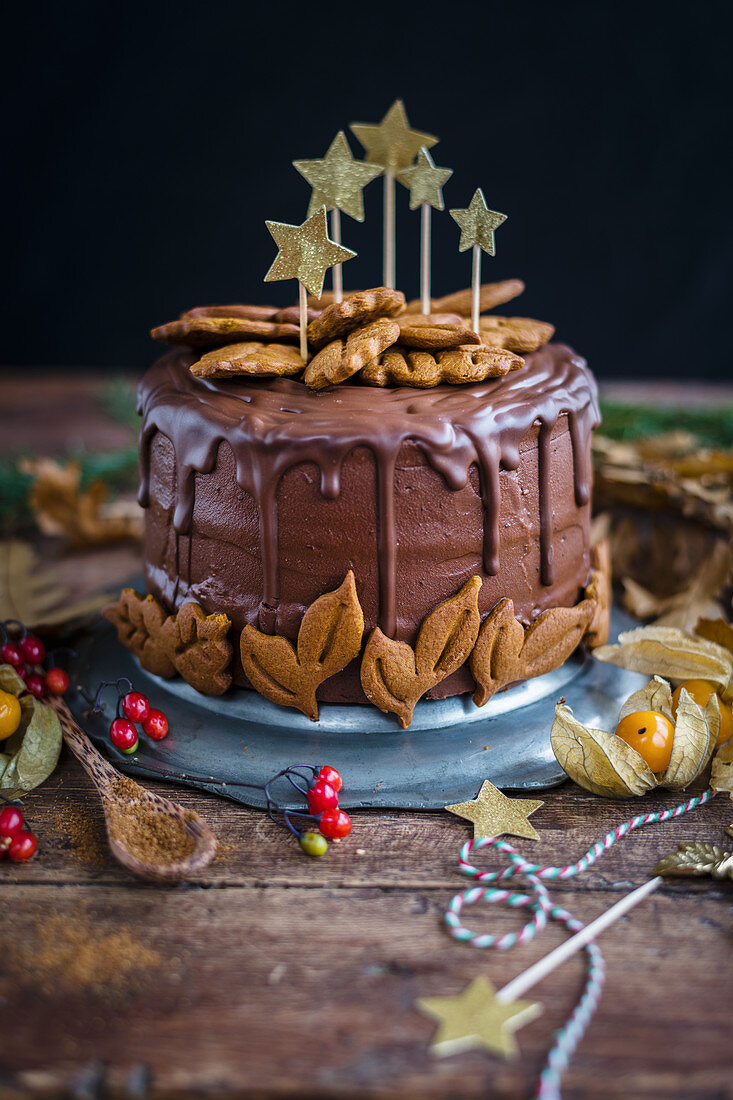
(262, 494)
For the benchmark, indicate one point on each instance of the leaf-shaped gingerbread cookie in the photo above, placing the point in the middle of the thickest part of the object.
(198, 647)
(394, 676)
(328, 639)
(139, 621)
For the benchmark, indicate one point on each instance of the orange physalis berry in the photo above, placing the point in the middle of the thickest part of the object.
(701, 690)
(651, 734)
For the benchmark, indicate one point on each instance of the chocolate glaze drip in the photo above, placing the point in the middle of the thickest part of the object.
(275, 425)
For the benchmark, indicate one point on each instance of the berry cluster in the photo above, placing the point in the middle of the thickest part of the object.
(132, 707)
(26, 653)
(320, 785)
(16, 841)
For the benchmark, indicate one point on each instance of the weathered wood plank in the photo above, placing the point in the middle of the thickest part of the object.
(383, 849)
(263, 991)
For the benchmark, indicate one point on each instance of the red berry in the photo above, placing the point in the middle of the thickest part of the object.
(11, 655)
(135, 706)
(11, 822)
(123, 735)
(321, 797)
(57, 681)
(156, 725)
(335, 824)
(36, 684)
(33, 649)
(331, 776)
(23, 846)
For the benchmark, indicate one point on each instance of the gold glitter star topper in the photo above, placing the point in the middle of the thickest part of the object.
(394, 146)
(477, 1019)
(425, 181)
(305, 253)
(338, 179)
(493, 814)
(477, 224)
(391, 143)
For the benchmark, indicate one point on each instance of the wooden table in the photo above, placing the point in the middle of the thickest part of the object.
(272, 975)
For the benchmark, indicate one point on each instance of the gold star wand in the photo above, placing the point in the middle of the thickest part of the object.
(338, 181)
(477, 224)
(305, 253)
(425, 182)
(394, 146)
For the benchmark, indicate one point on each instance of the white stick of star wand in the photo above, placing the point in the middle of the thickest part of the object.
(305, 252)
(336, 275)
(539, 970)
(425, 182)
(388, 262)
(477, 224)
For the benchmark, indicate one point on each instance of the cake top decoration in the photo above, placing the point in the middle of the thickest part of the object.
(392, 144)
(338, 179)
(425, 181)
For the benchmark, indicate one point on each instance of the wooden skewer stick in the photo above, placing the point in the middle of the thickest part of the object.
(389, 266)
(425, 257)
(534, 974)
(303, 304)
(338, 282)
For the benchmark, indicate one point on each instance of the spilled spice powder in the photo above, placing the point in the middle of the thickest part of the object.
(77, 954)
(86, 833)
(148, 834)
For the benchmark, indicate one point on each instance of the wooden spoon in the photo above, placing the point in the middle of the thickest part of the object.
(134, 816)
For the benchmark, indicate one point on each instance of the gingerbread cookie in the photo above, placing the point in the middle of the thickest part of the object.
(354, 311)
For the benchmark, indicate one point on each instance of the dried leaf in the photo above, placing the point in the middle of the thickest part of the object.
(716, 630)
(699, 597)
(598, 761)
(721, 773)
(34, 748)
(10, 680)
(672, 653)
(63, 509)
(34, 595)
(695, 736)
(693, 858)
(394, 676)
(328, 639)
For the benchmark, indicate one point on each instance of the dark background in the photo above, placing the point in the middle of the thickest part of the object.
(147, 143)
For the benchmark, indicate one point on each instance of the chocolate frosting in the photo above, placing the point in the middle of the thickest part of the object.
(273, 426)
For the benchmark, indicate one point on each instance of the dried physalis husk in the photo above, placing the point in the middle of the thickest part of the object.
(721, 773)
(520, 334)
(461, 301)
(328, 639)
(674, 654)
(356, 310)
(605, 764)
(422, 369)
(394, 675)
(341, 359)
(253, 358)
(215, 331)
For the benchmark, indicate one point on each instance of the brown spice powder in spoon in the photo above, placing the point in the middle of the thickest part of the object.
(148, 834)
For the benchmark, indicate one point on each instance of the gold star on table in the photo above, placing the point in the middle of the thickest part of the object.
(338, 180)
(392, 144)
(493, 814)
(425, 181)
(477, 224)
(476, 1020)
(305, 252)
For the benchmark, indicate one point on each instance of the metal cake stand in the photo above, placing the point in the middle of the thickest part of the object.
(445, 755)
